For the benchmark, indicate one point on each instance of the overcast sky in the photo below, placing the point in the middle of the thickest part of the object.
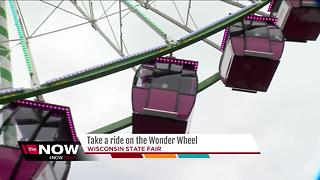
(285, 121)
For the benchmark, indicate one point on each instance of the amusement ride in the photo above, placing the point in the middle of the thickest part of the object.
(164, 87)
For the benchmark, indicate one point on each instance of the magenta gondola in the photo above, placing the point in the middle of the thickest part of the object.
(163, 95)
(251, 55)
(33, 121)
(294, 14)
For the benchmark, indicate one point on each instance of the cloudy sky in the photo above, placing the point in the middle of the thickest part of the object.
(285, 121)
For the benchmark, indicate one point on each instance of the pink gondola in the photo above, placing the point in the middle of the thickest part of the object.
(163, 95)
(299, 20)
(251, 55)
(25, 120)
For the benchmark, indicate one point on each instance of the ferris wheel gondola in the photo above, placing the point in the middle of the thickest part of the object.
(252, 54)
(25, 120)
(292, 14)
(163, 95)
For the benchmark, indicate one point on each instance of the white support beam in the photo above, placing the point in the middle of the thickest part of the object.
(177, 23)
(98, 29)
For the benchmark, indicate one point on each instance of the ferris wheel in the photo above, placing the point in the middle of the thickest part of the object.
(252, 45)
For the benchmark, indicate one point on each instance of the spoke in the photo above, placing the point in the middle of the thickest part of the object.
(194, 23)
(91, 10)
(58, 30)
(107, 8)
(122, 44)
(182, 26)
(62, 9)
(126, 14)
(178, 11)
(85, 8)
(13, 47)
(23, 21)
(126, 49)
(97, 28)
(188, 12)
(10, 40)
(105, 13)
(69, 27)
(46, 18)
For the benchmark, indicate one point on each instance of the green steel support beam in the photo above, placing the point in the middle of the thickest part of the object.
(124, 123)
(137, 59)
(208, 82)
